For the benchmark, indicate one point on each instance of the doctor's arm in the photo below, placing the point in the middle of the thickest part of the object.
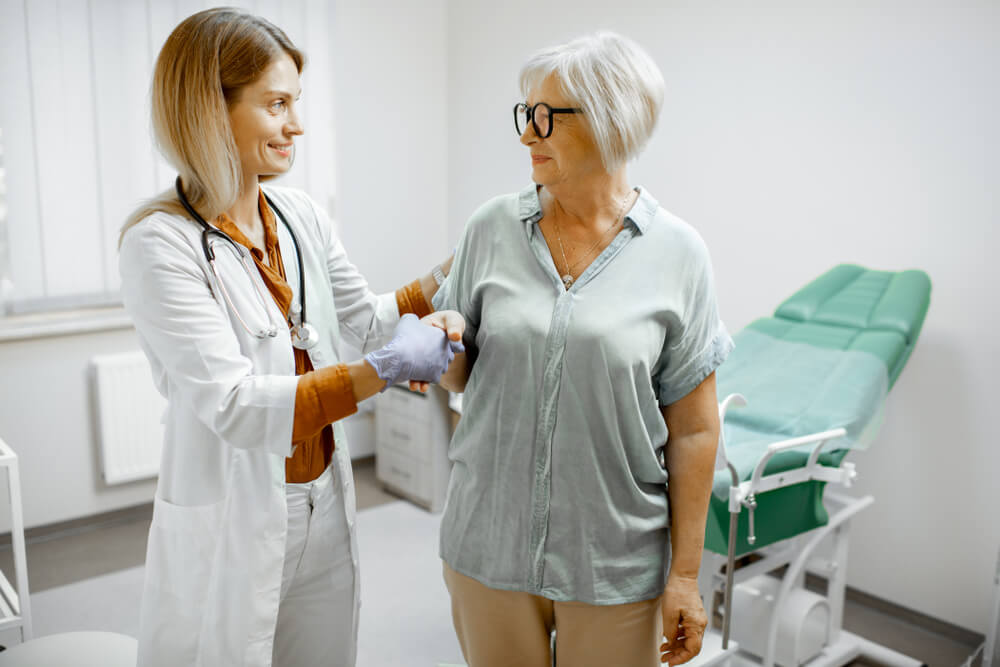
(416, 297)
(366, 318)
(693, 425)
(418, 349)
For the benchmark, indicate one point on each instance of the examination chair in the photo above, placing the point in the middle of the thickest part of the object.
(802, 388)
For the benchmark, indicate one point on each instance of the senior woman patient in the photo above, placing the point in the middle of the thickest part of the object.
(583, 463)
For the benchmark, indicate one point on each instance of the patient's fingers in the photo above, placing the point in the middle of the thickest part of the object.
(454, 324)
(686, 647)
(450, 321)
(422, 387)
(671, 617)
(680, 656)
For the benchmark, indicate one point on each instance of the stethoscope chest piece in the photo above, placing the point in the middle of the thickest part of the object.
(304, 336)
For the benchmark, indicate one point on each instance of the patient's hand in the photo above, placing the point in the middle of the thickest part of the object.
(684, 620)
(453, 324)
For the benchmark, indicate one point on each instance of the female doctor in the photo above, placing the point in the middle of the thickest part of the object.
(252, 555)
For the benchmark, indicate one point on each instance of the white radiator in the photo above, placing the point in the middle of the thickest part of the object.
(128, 413)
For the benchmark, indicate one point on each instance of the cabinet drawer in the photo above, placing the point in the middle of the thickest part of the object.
(403, 435)
(404, 473)
(404, 403)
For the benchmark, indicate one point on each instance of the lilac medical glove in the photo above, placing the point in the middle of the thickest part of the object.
(417, 351)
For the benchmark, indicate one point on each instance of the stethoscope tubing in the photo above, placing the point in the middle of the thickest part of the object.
(304, 333)
(271, 331)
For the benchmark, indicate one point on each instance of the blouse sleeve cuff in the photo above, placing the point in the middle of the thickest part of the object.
(710, 359)
(410, 299)
(322, 397)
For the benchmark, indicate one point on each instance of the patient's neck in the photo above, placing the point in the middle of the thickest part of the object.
(589, 201)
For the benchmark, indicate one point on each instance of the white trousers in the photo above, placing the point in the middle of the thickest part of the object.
(317, 616)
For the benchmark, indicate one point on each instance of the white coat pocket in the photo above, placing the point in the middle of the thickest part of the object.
(180, 563)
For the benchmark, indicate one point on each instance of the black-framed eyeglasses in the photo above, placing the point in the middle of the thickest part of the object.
(540, 116)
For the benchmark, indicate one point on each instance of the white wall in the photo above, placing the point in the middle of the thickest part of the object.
(391, 150)
(392, 136)
(794, 138)
(47, 413)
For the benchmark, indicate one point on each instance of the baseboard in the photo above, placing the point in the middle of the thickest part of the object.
(53, 531)
(919, 619)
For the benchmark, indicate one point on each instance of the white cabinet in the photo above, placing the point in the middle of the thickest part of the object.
(411, 444)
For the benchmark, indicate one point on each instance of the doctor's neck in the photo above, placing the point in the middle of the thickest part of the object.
(245, 212)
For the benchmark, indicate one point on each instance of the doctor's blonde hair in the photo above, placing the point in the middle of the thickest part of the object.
(200, 73)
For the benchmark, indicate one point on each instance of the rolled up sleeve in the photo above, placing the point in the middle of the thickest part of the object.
(698, 342)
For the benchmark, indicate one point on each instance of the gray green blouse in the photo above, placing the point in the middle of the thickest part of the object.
(558, 486)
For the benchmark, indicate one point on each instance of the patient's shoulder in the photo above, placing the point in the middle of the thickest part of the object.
(671, 229)
(494, 214)
(676, 248)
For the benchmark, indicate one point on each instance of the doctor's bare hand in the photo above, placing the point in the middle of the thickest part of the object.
(416, 352)
(684, 620)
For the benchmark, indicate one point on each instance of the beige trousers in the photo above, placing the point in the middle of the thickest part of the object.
(511, 629)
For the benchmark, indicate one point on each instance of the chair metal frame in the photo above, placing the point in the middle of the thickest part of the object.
(15, 605)
(822, 552)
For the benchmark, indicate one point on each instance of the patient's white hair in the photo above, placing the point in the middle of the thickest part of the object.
(614, 81)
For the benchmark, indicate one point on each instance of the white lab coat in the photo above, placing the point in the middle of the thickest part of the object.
(217, 539)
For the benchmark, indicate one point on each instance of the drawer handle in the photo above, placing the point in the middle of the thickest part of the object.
(402, 473)
(399, 434)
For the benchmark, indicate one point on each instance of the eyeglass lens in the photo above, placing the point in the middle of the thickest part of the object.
(540, 114)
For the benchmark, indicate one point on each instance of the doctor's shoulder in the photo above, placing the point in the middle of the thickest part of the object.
(159, 236)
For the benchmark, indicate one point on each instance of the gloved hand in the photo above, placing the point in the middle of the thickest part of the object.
(417, 351)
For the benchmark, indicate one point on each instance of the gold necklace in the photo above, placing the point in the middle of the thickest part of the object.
(567, 277)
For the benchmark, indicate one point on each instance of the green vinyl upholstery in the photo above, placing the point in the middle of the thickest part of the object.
(847, 308)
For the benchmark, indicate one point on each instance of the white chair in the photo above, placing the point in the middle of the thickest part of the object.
(73, 649)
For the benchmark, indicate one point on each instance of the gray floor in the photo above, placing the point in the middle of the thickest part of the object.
(63, 554)
(934, 649)
(78, 551)
(405, 619)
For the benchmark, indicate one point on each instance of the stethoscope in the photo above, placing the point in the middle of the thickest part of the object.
(304, 335)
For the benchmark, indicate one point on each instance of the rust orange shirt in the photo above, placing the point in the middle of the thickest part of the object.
(323, 396)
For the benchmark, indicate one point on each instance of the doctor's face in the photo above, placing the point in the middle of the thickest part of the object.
(265, 120)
